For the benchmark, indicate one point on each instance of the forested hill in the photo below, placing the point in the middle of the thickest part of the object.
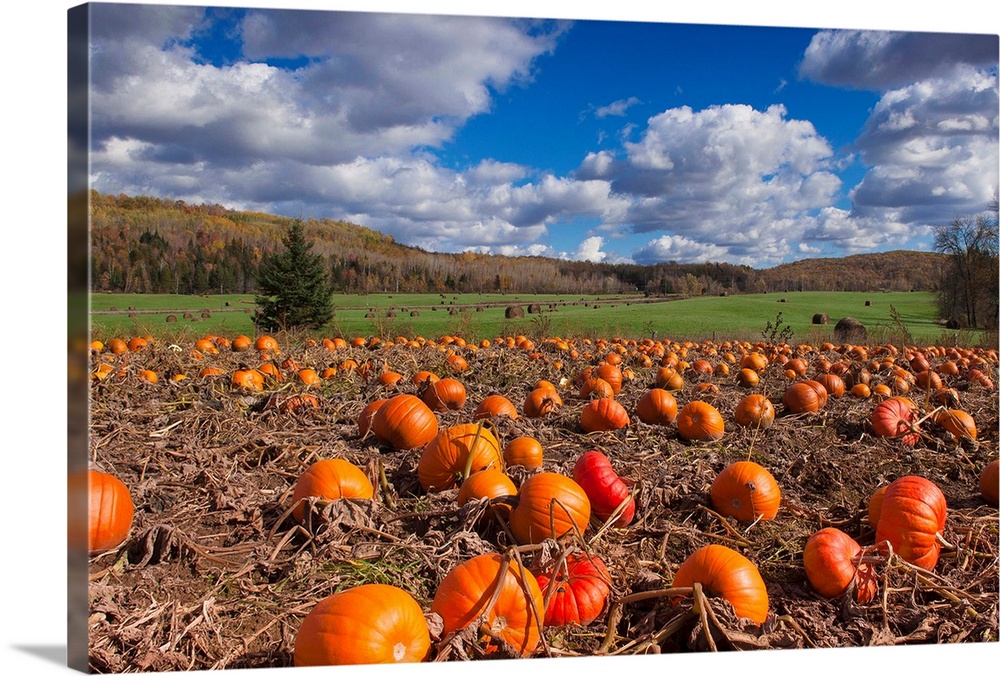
(149, 245)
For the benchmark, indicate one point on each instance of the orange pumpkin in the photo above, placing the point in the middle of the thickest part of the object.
(657, 407)
(724, 572)
(367, 416)
(746, 491)
(370, 624)
(755, 411)
(803, 397)
(455, 451)
(540, 402)
(958, 422)
(988, 482)
(110, 511)
(487, 483)
(829, 562)
(602, 415)
(700, 421)
(404, 422)
(463, 595)
(549, 505)
(330, 479)
(912, 515)
(445, 394)
(495, 405)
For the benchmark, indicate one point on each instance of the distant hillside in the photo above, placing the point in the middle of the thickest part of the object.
(149, 245)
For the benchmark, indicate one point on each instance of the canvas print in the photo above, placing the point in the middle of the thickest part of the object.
(418, 338)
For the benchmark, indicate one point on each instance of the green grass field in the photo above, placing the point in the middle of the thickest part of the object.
(701, 318)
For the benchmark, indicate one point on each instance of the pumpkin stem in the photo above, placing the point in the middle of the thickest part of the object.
(472, 451)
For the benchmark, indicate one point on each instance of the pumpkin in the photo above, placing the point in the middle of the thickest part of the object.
(755, 411)
(297, 402)
(988, 482)
(700, 421)
(249, 379)
(524, 451)
(755, 361)
(444, 394)
(422, 378)
(894, 418)
(604, 488)
(958, 422)
(308, 376)
(612, 375)
(493, 406)
(747, 378)
(109, 511)
(746, 491)
(833, 384)
(266, 344)
(541, 401)
(367, 416)
(596, 388)
(466, 590)
(117, 346)
(928, 380)
(330, 479)
(602, 415)
(724, 572)
(861, 390)
(487, 483)
(912, 515)
(575, 589)
(404, 422)
(370, 624)
(657, 407)
(828, 559)
(240, 343)
(457, 451)
(803, 397)
(549, 505)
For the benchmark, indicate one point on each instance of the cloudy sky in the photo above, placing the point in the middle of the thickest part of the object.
(604, 140)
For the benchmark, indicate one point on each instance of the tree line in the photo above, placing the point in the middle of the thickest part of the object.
(142, 244)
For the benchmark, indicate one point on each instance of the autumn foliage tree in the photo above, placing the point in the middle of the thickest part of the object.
(294, 289)
(969, 288)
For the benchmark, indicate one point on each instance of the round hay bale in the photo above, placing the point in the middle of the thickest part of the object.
(453, 311)
(113, 308)
(850, 330)
(206, 315)
(171, 319)
(951, 324)
(227, 303)
(132, 315)
(782, 300)
(390, 313)
(513, 311)
(414, 313)
(534, 309)
(868, 303)
(188, 315)
(479, 308)
(369, 315)
(821, 318)
(131, 307)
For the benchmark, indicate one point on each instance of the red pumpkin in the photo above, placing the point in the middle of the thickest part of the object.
(575, 590)
(700, 421)
(912, 515)
(746, 491)
(465, 592)
(602, 415)
(330, 479)
(724, 572)
(657, 407)
(370, 624)
(404, 422)
(549, 505)
(829, 561)
(604, 488)
(455, 450)
(895, 418)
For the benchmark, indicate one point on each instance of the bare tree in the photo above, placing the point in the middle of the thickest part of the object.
(970, 285)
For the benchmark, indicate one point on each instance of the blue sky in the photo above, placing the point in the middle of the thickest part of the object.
(605, 140)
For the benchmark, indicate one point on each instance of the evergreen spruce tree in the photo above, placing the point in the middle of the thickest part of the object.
(293, 289)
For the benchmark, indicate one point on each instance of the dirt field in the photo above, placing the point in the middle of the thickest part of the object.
(216, 574)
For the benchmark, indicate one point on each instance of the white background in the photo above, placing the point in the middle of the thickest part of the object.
(34, 283)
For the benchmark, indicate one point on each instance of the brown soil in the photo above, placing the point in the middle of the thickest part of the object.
(216, 574)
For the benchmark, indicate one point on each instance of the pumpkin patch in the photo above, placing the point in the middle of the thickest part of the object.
(434, 498)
